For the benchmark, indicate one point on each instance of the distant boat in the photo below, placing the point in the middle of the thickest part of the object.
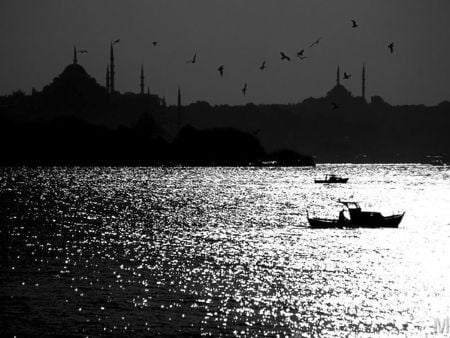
(436, 160)
(358, 219)
(332, 178)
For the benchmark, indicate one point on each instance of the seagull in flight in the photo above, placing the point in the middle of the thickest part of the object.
(391, 47)
(244, 90)
(220, 69)
(354, 24)
(154, 43)
(194, 59)
(347, 76)
(263, 65)
(316, 42)
(285, 57)
(301, 56)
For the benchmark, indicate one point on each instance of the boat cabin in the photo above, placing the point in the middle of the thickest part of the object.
(351, 205)
(359, 216)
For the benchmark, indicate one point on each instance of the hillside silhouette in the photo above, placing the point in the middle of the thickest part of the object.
(336, 128)
(70, 141)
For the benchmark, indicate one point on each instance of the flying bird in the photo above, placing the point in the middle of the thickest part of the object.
(154, 43)
(285, 57)
(263, 65)
(316, 42)
(301, 56)
(347, 76)
(354, 24)
(244, 90)
(194, 59)
(391, 47)
(83, 51)
(116, 41)
(335, 106)
(220, 69)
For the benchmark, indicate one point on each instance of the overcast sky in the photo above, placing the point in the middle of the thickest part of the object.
(36, 39)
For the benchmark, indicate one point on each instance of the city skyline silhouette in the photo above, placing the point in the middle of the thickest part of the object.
(339, 126)
(241, 37)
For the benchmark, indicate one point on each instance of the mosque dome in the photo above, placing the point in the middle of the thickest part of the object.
(73, 90)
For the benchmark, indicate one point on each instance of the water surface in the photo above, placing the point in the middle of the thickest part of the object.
(220, 251)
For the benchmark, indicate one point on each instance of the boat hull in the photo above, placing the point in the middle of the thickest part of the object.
(384, 222)
(320, 223)
(338, 180)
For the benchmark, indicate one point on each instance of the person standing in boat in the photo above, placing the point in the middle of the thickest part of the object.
(342, 218)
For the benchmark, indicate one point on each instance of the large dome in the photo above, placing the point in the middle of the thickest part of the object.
(73, 90)
(339, 93)
(74, 70)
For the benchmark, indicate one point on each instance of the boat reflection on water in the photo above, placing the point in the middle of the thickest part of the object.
(358, 219)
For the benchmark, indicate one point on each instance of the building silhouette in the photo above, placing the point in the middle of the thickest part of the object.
(112, 72)
(363, 89)
(108, 89)
(338, 77)
(179, 110)
(339, 94)
(142, 84)
(75, 60)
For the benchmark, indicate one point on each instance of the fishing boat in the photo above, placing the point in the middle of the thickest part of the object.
(332, 178)
(358, 219)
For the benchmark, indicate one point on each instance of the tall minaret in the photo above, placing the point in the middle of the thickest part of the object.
(108, 89)
(338, 77)
(142, 80)
(75, 61)
(179, 110)
(363, 91)
(111, 70)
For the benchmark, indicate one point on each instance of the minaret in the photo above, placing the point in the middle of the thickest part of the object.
(108, 89)
(142, 80)
(75, 61)
(363, 91)
(338, 77)
(111, 71)
(179, 110)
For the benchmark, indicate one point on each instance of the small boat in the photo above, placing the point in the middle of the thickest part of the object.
(332, 178)
(358, 219)
(436, 160)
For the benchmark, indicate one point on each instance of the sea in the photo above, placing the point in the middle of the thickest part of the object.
(99, 251)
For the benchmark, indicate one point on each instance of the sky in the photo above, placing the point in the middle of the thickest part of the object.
(37, 37)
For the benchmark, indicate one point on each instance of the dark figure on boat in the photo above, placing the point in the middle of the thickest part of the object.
(342, 218)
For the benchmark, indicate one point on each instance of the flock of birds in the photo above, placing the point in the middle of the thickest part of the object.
(283, 56)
